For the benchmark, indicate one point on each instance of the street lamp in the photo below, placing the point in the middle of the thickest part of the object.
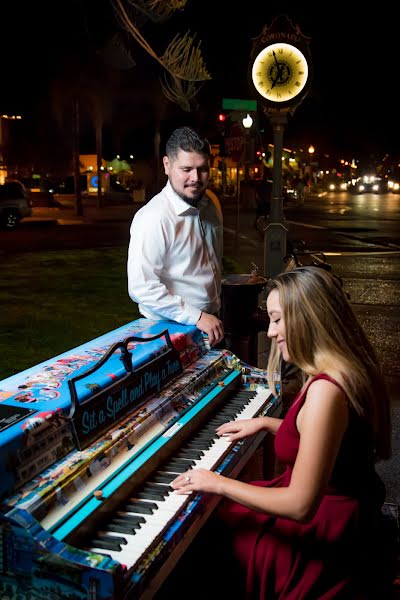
(311, 151)
(247, 121)
(242, 193)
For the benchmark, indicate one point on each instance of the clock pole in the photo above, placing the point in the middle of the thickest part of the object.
(280, 71)
(275, 232)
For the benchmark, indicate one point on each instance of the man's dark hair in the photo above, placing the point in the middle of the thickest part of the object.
(188, 140)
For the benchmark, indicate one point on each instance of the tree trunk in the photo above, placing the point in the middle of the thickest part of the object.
(77, 170)
(99, 144)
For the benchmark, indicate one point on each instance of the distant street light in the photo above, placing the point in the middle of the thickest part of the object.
(311, 151)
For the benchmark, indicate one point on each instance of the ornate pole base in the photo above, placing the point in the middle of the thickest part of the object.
(274, 249)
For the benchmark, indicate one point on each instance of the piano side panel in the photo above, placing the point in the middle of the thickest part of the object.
(33, 565)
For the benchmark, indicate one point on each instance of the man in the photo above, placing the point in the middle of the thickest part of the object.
(175, 250)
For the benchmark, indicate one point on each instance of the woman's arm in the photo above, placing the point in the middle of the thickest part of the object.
(237, 430)
(321, 422)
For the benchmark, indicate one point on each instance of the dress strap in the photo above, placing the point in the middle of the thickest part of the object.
(301, 396)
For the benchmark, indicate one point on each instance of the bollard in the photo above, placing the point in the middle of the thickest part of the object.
(243, 319)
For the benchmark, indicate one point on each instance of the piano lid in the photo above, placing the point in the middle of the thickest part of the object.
(35, 404)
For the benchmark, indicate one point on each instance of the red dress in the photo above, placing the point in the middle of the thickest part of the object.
(335, 554)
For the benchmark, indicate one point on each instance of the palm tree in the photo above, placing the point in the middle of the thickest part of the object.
(182, 61)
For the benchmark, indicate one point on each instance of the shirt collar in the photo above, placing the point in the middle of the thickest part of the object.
(180, 206)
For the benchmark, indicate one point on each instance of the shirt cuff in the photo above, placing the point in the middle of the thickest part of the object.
(190, 315)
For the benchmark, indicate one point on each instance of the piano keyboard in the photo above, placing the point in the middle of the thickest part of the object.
(138, 523)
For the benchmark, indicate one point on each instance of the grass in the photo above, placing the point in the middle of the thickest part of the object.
(53, 301)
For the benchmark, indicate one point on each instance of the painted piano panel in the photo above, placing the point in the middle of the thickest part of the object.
(35, 405)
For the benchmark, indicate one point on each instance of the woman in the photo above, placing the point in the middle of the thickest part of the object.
(312, 532)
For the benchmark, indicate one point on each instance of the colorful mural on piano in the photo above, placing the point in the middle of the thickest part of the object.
(35, 430)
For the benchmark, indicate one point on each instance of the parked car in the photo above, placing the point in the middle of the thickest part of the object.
(15, 204)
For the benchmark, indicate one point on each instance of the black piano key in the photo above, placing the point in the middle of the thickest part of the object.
(220, 421)
(108, 542)
(172, 471)
(143, 508)
(162, 487)
(104, 535)
(149, 495)
(176, 469)
(122, 528)
(201, 444)
(160, 477)
(180, 462)
(206, 437)
(135, 521)
(187, 453)
(229, 414)
(219, 418)
(216, 422)
(150, 488)
(239, 402)
(105, 545)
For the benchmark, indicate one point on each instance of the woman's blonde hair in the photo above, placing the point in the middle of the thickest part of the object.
(324, 336)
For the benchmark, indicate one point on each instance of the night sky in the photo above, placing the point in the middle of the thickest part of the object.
(353, 103)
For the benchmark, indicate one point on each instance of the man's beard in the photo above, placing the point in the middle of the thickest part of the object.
(193, 201)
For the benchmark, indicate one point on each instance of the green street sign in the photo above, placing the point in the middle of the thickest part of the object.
(236, 104)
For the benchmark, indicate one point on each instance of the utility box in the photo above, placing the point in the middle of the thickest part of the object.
(241, 315)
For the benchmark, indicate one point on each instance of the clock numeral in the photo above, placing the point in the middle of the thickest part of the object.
(261, 83)
(301, 73)
(298, 84)
(278, 95)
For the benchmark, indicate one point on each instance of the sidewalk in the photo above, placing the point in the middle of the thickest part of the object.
(66, 215)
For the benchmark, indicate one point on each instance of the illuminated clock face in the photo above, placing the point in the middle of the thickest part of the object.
(280, 72)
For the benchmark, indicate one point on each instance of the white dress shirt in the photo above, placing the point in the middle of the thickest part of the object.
(175, 257)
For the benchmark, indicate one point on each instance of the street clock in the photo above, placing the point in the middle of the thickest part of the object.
(280, 66)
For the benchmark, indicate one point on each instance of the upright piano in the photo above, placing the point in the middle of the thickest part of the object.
(89, 443)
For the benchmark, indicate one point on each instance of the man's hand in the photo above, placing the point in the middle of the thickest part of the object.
(212, 326)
